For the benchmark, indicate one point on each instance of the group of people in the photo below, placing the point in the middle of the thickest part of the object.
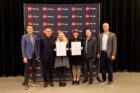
(103, 48)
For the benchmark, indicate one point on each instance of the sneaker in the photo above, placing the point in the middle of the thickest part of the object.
(103, 82)
(110, 84)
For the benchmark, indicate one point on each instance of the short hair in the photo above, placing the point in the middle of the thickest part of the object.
(48, 28)
(106, 23)
(29, 25)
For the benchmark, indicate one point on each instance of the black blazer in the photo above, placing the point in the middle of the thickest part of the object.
(47, 46)
(91, 48)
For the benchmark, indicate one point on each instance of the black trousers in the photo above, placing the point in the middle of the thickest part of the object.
(30, 63)
(48, 67)
(106, 64)
(88, 67)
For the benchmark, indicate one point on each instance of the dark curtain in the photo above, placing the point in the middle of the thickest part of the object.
(122, 15)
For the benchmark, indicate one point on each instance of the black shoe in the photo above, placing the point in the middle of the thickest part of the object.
(73, 82)
(60, 84)
(91, 81)
(85, 80)
(77, 82)
(51, 84)
(45, 84)
(99, 80)
(64, 84)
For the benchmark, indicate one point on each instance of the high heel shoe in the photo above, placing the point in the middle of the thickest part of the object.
(77, 82)
(73, 82)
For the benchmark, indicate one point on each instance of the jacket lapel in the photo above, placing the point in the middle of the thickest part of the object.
(34, 38)
(101, 41)
(108, 37)
(29, 38)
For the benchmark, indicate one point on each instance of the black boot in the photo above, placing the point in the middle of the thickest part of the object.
(90, 80)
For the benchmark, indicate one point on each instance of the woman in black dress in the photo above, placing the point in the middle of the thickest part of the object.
(76, 61)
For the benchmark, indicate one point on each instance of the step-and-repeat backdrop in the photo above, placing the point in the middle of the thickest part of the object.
(65, 18)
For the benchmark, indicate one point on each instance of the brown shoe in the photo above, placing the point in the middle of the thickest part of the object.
(26, 87)
(45, 84)
(37, 82)
(51, 84)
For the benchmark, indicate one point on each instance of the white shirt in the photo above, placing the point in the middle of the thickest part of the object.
(104, 41)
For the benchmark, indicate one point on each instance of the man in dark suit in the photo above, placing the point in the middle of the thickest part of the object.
(30, 53)
(47, 45)
(107, 53)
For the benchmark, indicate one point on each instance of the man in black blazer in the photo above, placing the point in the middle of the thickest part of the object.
(89, 54)
(47, 44)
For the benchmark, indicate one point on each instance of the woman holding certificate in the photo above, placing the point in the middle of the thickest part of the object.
(61, 60)
(76, 59)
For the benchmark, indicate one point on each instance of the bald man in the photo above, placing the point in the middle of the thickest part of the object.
(107, 53)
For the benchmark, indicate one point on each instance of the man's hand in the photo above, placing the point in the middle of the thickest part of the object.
(67, 49)
(113, 57)
(25, 60)
(82, 48)
(37, 58)
(54, 49)
(98, 56)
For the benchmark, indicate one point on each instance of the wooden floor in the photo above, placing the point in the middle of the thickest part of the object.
(124, 82)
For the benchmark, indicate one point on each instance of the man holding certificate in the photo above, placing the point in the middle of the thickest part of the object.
(76, 59)
(61, 60)
(89, 54)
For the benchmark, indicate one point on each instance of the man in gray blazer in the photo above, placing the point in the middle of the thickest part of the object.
(107, 53)
(30, 53)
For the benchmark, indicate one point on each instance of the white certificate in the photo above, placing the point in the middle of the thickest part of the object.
(76, 48)
(61, 49)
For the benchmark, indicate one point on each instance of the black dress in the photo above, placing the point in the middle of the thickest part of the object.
(76, 60)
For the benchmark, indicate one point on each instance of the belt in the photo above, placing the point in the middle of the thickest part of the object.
(104, 51)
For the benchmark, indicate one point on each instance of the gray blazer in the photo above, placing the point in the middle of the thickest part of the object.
(111, 44)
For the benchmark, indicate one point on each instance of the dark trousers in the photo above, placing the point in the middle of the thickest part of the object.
(30, 63)
(106, 64)
(48, 70)
(88, 67)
